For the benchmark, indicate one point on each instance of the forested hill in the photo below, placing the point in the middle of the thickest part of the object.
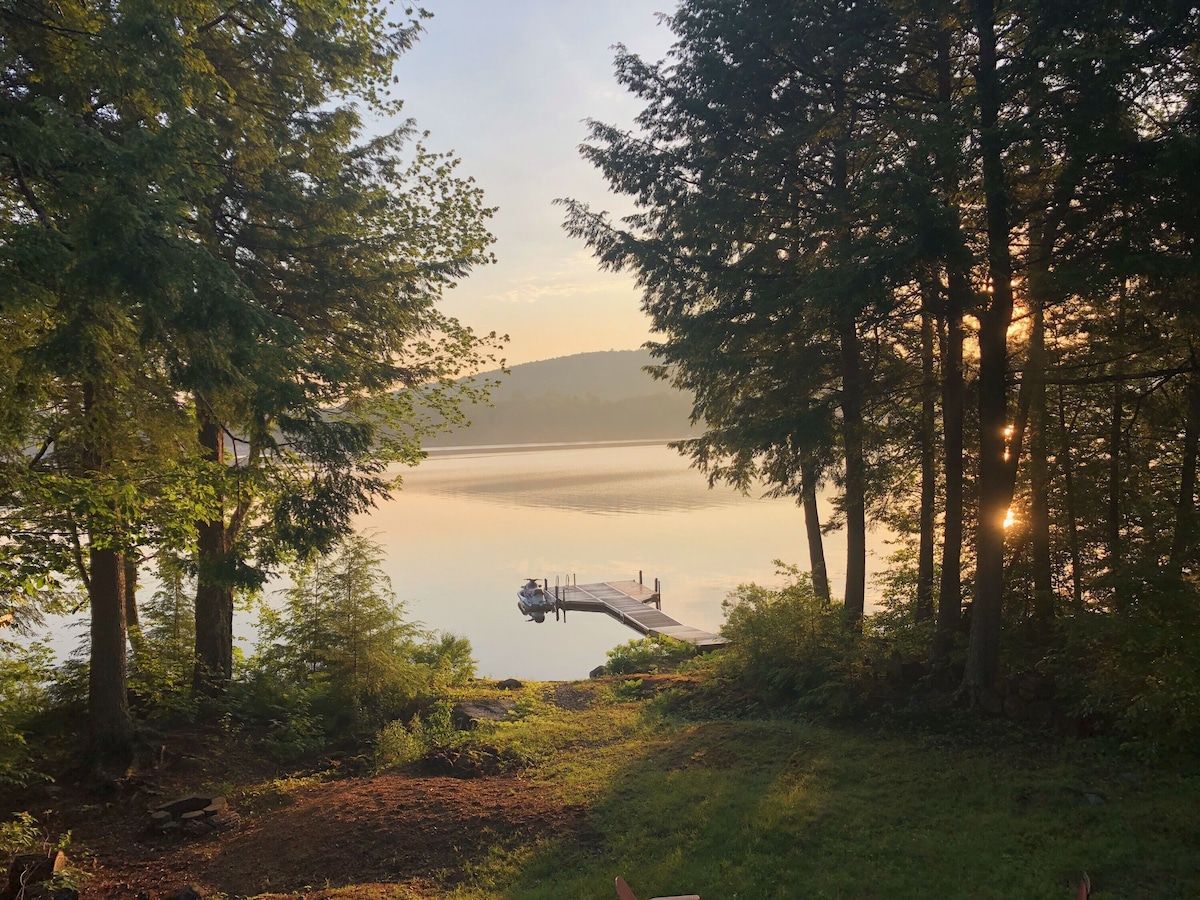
(602, 396)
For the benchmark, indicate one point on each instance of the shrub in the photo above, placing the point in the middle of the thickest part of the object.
(22, 834)
(650, 654)
(24, 674)
(340, 651)
(1137, 666)
(790, 646)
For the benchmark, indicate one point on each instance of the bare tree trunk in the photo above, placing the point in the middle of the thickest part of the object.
(995, 478)
(812, 526)
(110, 749)
(855, 502)
(924, 604)
(132, 620)
(1039, 470)
(1068, 467)
(214, 591)
(958, 293)
(1114, 446)
(1185, 507)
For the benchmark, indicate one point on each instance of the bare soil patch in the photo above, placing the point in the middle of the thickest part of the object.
(292, 837)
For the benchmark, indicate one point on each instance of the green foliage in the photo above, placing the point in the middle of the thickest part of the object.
(447, 657)
(1143, 667)
(649, 654)
(22, 834)
(160, 666)
(790, 646)
(24, 675)
(398, 744)
(338, 656)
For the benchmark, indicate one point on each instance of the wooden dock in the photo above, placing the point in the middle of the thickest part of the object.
(633, 604)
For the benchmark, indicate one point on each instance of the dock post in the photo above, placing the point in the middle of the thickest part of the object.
(639, 576)
(657, 594)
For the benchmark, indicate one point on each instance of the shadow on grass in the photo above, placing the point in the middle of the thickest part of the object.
(781, 810)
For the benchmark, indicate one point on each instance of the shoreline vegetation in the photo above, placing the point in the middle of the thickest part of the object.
(551, 790)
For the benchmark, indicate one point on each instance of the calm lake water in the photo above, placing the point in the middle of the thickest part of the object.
(470, 525)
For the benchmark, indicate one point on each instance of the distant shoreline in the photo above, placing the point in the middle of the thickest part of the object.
(488, 449)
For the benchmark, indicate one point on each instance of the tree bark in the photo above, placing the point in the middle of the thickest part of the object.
(1039, 470)
(812, 526)
(855, 502)
(1116, 417)
(958, 294)
(994, 478)
(132, 620)
(110, 749)
(214, 591)
(1068, 467)
(1185, 507)
(108, 708)
(924, 604)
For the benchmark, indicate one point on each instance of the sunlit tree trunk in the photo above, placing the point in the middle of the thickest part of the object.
(995, 479)
(812, 527)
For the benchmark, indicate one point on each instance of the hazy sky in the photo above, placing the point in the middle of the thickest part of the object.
(507, 85)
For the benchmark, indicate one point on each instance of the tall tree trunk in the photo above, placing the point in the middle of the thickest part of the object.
(958, 294)
(129, 564)
(1185, 507)
(1068, 467)
(995, 478)
(1116, 417)
(812, 526)
(855, 501)
(110, 749)
(1039, 470)
(214, 590)
(924, 606)
(133, 624)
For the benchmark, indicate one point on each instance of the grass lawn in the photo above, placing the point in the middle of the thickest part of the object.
(615, 783)
(759, 809)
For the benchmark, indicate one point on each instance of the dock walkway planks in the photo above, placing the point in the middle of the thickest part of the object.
(629, 603)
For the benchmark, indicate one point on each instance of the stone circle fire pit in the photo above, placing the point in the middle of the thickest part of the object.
(196, 814)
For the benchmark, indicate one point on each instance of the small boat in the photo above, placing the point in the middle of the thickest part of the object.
(534, 601)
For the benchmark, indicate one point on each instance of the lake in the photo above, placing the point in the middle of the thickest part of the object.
(472, 523)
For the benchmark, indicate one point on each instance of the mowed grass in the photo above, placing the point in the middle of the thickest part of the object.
(781, 809)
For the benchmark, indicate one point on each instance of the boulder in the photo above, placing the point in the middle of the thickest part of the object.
(469, 713)
(510, 684)
(598, 672)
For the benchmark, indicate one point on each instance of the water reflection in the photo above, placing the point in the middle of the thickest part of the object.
(466, 530)
(610, 480)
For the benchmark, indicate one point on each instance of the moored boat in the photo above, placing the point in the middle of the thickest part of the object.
(534, 600)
